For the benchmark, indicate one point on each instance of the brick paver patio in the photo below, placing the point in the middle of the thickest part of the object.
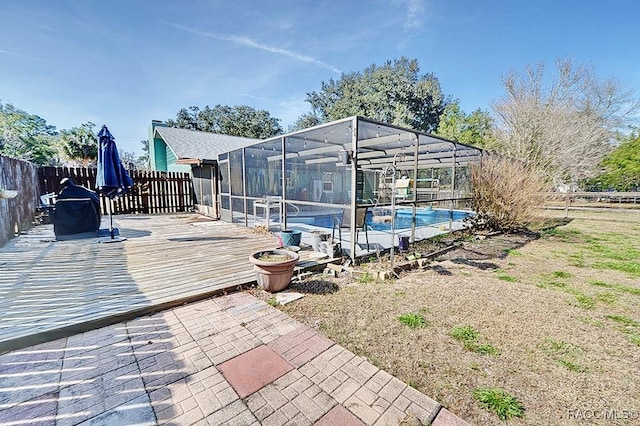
(231, 360)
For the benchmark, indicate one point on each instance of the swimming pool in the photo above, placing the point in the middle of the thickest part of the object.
(321, 220)
(424, 217)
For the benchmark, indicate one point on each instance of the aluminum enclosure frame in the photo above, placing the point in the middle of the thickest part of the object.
(336, 166)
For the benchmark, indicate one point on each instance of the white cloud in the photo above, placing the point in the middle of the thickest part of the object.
(248, 42)
(259, 98)
(288, 110)
(6, 52)
(415, 15)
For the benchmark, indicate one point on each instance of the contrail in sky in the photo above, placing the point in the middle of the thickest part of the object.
(248, 42)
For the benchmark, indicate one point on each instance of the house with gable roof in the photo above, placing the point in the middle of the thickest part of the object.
(190, 151)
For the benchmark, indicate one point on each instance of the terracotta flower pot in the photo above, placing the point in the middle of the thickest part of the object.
(274, 268)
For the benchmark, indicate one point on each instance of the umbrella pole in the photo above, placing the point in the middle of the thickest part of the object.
(110, 217)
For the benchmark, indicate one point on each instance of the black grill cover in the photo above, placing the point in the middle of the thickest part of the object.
(77, 210)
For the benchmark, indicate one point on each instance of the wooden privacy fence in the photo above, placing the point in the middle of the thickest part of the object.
(153, 191)
(17, 214)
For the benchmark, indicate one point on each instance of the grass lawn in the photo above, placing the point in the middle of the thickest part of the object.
(535, 331)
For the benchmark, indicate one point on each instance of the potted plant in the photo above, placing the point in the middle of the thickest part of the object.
(274, 268)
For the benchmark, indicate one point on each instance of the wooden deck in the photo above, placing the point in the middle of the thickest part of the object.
(50, 289)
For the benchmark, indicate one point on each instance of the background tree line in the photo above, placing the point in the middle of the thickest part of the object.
(568, 124)
(29, 137)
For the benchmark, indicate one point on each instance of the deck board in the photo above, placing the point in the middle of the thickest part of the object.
(49, 289)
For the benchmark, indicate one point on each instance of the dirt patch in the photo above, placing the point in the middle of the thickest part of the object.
(560, 307)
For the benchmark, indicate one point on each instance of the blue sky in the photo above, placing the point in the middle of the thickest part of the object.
(126, 62)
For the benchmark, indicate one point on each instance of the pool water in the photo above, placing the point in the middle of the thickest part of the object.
(424, 217)
(327, 221)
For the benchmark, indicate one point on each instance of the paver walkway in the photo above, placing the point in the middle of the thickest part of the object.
(231, 360)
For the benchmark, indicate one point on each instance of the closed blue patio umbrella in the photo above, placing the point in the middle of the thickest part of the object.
(112, 179)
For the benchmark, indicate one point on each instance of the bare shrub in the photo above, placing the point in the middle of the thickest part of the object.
(506, 193)
(563, 124)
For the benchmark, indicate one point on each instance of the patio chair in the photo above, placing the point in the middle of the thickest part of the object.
(46, 207)
(345, 223)
(48, 200)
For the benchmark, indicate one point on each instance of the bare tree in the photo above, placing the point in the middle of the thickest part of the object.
(565, 124)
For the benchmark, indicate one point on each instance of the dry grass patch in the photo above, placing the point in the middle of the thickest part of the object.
(556, 354)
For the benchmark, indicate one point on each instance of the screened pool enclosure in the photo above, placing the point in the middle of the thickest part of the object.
(362, 181)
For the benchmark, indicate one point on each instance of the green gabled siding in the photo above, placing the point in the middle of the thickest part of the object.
(160, 155)
(182, 168)
(171, 163)
(157, 148)
(171, 157)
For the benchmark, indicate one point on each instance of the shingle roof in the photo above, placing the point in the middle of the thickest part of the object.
(200, 145)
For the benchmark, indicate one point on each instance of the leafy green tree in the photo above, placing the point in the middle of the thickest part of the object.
(621, 168)
(80, 143)
(393, 93)
(239, 120)
(187, 118)
(144, 158)
(305, 121)
(27, 136)
(473, 129)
